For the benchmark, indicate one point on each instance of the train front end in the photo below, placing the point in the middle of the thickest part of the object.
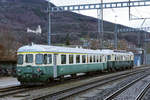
(33, 67)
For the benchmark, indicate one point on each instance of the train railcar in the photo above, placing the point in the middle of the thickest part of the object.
(119, 60)
(38, 64)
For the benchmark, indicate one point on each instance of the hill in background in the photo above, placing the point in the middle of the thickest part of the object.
(67, 27)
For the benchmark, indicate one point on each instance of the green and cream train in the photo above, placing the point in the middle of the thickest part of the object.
(39, 64)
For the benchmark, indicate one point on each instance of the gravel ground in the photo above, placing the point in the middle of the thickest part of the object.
(107, 91)
(92, 92)
(8, 81)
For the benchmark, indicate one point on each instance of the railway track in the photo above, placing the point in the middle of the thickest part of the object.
(130, 90)
(10, 91)
(77, 89)
(143, 92)
(9, 88)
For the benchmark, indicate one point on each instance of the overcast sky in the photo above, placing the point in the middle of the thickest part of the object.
(117, 15)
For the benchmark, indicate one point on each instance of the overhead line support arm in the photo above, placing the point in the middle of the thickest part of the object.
(98, 6)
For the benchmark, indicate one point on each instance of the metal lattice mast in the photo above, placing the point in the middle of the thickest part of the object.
(129, 10)
(49, 23)
(99, 26)
(102, 28)
(116, 34)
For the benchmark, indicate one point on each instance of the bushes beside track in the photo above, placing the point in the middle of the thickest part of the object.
(7, 68)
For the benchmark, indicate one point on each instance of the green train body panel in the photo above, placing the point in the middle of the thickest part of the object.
(26, 74)
(80, 68)
(31, 73)
(119, 64)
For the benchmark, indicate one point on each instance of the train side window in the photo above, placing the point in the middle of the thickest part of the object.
(77, 58)
(39, 59)
(70, 59)
(63, 59)
(117, 58)
(29, 58)
(90, 58)
(20, 59)
(49, 59)
(94, 58)
(83, 59)
(97, 58)
(100, 58)
(45, 59)
(87, 59)
(108, 57)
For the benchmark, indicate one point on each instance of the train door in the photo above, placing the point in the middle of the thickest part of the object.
(55, 58)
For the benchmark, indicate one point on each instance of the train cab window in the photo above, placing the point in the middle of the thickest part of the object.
(63, 59)
(77, 58)
(49, 59)
(45, 59)
(29, 58)
(70, 59)
(20, 59)
(39, 59)
(83, 59)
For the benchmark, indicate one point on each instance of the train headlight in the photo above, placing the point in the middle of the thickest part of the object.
(19, 70)
(38, 69)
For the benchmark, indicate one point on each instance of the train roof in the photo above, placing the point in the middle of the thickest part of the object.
(47, 48)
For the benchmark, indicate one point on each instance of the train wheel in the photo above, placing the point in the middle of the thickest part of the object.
(23, 83)
(73, 75)
(89, 73)
(50, 80)
(109, 70)
(113, 70)
(61, 78)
